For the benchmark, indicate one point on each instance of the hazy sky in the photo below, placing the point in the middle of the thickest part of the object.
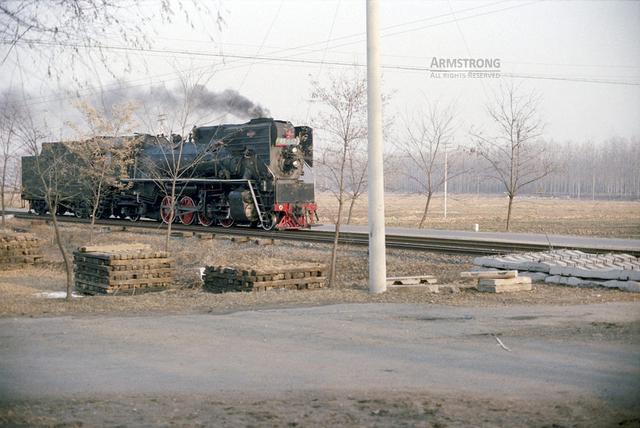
(583, 58)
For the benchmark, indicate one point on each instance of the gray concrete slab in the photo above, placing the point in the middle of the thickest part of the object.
(572, 267)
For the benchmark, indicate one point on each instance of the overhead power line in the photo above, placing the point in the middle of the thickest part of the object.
(324, 62)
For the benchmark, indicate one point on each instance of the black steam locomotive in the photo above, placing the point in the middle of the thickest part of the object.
(258, 173)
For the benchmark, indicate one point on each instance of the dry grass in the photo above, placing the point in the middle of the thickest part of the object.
(530, 214)
(18, 288)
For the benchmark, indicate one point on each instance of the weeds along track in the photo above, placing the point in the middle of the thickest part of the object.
(445, 245)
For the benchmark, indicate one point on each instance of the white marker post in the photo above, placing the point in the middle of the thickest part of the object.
(377, 256)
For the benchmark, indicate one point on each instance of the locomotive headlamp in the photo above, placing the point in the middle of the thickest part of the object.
(296, 164)
(280, 207)
(294, 150)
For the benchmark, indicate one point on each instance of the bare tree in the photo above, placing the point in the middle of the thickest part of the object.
(176, 164)
(427, 135)
(9, 118)
(343, 119)
(103, 153)
(357, 161)
(47, 30)
(48, 167)
(512, 150)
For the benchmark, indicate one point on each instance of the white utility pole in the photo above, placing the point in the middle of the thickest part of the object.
(377, 256)
(445, 180)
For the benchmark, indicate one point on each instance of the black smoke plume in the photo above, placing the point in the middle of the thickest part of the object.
(228, 101)
(199, 99)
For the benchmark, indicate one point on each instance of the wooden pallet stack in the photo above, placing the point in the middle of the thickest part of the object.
(121, 269)
(18, 250)
(222, 279)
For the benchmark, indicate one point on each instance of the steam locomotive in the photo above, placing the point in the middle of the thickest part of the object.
(258, 173)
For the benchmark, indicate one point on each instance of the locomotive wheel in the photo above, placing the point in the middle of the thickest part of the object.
(40, 207)
(167, 212)
(187, 204)
(82, 210)
(226, 222)
(203, 220)
(271, 221)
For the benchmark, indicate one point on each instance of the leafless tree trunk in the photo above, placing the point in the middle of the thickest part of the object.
(357, 171)
(336, 237)
(516, 158)
(9, 115)
(52, 201)
(343, 119)
(53, 175)
(5, 161)
(174, 166)
(98, 152)
(426, 135)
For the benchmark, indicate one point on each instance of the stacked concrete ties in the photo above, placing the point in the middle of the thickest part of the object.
(571, 267)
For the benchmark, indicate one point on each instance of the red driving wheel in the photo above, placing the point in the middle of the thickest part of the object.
(203, 220)
(167, 212)
(186, 211)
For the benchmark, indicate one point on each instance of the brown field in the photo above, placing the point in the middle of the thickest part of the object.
(619, 219)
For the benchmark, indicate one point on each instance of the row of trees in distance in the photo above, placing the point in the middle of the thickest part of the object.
(509, 156)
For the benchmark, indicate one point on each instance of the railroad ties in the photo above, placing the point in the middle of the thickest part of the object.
(121, 269)
(222, 279)
(18, 250)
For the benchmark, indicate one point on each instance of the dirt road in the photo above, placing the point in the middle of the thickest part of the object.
(350, 364)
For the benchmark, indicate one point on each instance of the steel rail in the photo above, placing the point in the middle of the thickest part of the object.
(445, 245)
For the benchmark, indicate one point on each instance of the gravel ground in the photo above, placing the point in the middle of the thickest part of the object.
(314, 409)
(19, 288)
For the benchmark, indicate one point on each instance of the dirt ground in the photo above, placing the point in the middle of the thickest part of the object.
(19, 288)
(314, 409)
(338, 365)
(20, 297)
(620, 219)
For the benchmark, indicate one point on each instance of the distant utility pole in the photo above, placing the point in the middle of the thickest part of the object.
(445, 180)
(377, 256)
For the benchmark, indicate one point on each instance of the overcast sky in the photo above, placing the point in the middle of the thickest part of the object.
(583, 58)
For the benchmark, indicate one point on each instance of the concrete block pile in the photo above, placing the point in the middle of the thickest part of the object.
(18, 250)
(494, 281)
(572, 267)
(222, 279)
(121, 269)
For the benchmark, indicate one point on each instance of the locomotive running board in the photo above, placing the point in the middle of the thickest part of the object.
(186, 180)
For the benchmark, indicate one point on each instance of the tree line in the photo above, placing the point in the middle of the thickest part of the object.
(508, 155)
(605, 169)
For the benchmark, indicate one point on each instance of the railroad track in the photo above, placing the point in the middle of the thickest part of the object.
(446, 245)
